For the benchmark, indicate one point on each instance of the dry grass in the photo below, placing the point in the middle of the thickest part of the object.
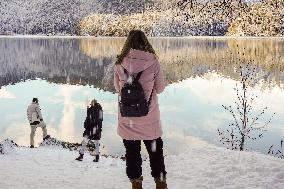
(120, 25)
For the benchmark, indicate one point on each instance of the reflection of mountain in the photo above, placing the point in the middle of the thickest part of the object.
(182, 58)
(57, 60)
(88, 61)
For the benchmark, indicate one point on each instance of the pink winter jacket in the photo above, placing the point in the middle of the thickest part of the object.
(147, 127)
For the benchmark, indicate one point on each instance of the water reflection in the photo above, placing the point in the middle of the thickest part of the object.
(56, 60)
(200, 74)
(88, 61)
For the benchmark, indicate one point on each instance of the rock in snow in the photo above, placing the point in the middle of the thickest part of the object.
(7, 146)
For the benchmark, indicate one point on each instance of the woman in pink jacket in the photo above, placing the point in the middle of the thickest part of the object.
(138, 63)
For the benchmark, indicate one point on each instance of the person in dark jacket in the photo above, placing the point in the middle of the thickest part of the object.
(93, 129)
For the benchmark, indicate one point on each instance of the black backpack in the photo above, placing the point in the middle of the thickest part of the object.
(133, 102)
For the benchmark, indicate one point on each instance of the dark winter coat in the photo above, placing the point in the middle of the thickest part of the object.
(93, 122)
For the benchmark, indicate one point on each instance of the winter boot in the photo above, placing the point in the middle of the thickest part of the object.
(32, 146)
(97, 157)
(137, 183)
(161, 183)
(80, 158)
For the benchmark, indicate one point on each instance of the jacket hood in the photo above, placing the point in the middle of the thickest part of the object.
(96, 105)
(137, 61)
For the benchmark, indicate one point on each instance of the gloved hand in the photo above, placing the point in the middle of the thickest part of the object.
(35, 123)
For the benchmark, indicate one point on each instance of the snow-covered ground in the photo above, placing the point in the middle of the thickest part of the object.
(199, 167)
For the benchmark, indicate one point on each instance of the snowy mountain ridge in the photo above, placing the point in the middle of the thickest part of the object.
(155, 17)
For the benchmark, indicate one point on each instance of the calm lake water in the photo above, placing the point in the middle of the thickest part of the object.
(66, 73)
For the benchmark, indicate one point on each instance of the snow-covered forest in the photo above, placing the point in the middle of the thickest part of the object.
(155, 17)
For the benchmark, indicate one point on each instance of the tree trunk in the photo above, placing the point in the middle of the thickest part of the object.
(244, 118)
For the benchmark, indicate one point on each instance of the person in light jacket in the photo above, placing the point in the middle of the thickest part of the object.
(138, 55)
(35, 119)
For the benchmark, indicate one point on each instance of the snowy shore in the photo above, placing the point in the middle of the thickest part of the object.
(199, 167)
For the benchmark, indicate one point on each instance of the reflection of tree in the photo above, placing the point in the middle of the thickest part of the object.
(88, 61)
(263, 51)
(101, 47)
(56, 60)
(188, 57)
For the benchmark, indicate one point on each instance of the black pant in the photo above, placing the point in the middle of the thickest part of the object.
(134, 160)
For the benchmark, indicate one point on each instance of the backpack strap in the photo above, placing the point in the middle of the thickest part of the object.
(138, 77)
(135, 78)
(125, 71)
(149, 102)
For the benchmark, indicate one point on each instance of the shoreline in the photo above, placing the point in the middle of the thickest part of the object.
(157, 37)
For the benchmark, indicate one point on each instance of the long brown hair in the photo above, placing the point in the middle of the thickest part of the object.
(136, 39)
